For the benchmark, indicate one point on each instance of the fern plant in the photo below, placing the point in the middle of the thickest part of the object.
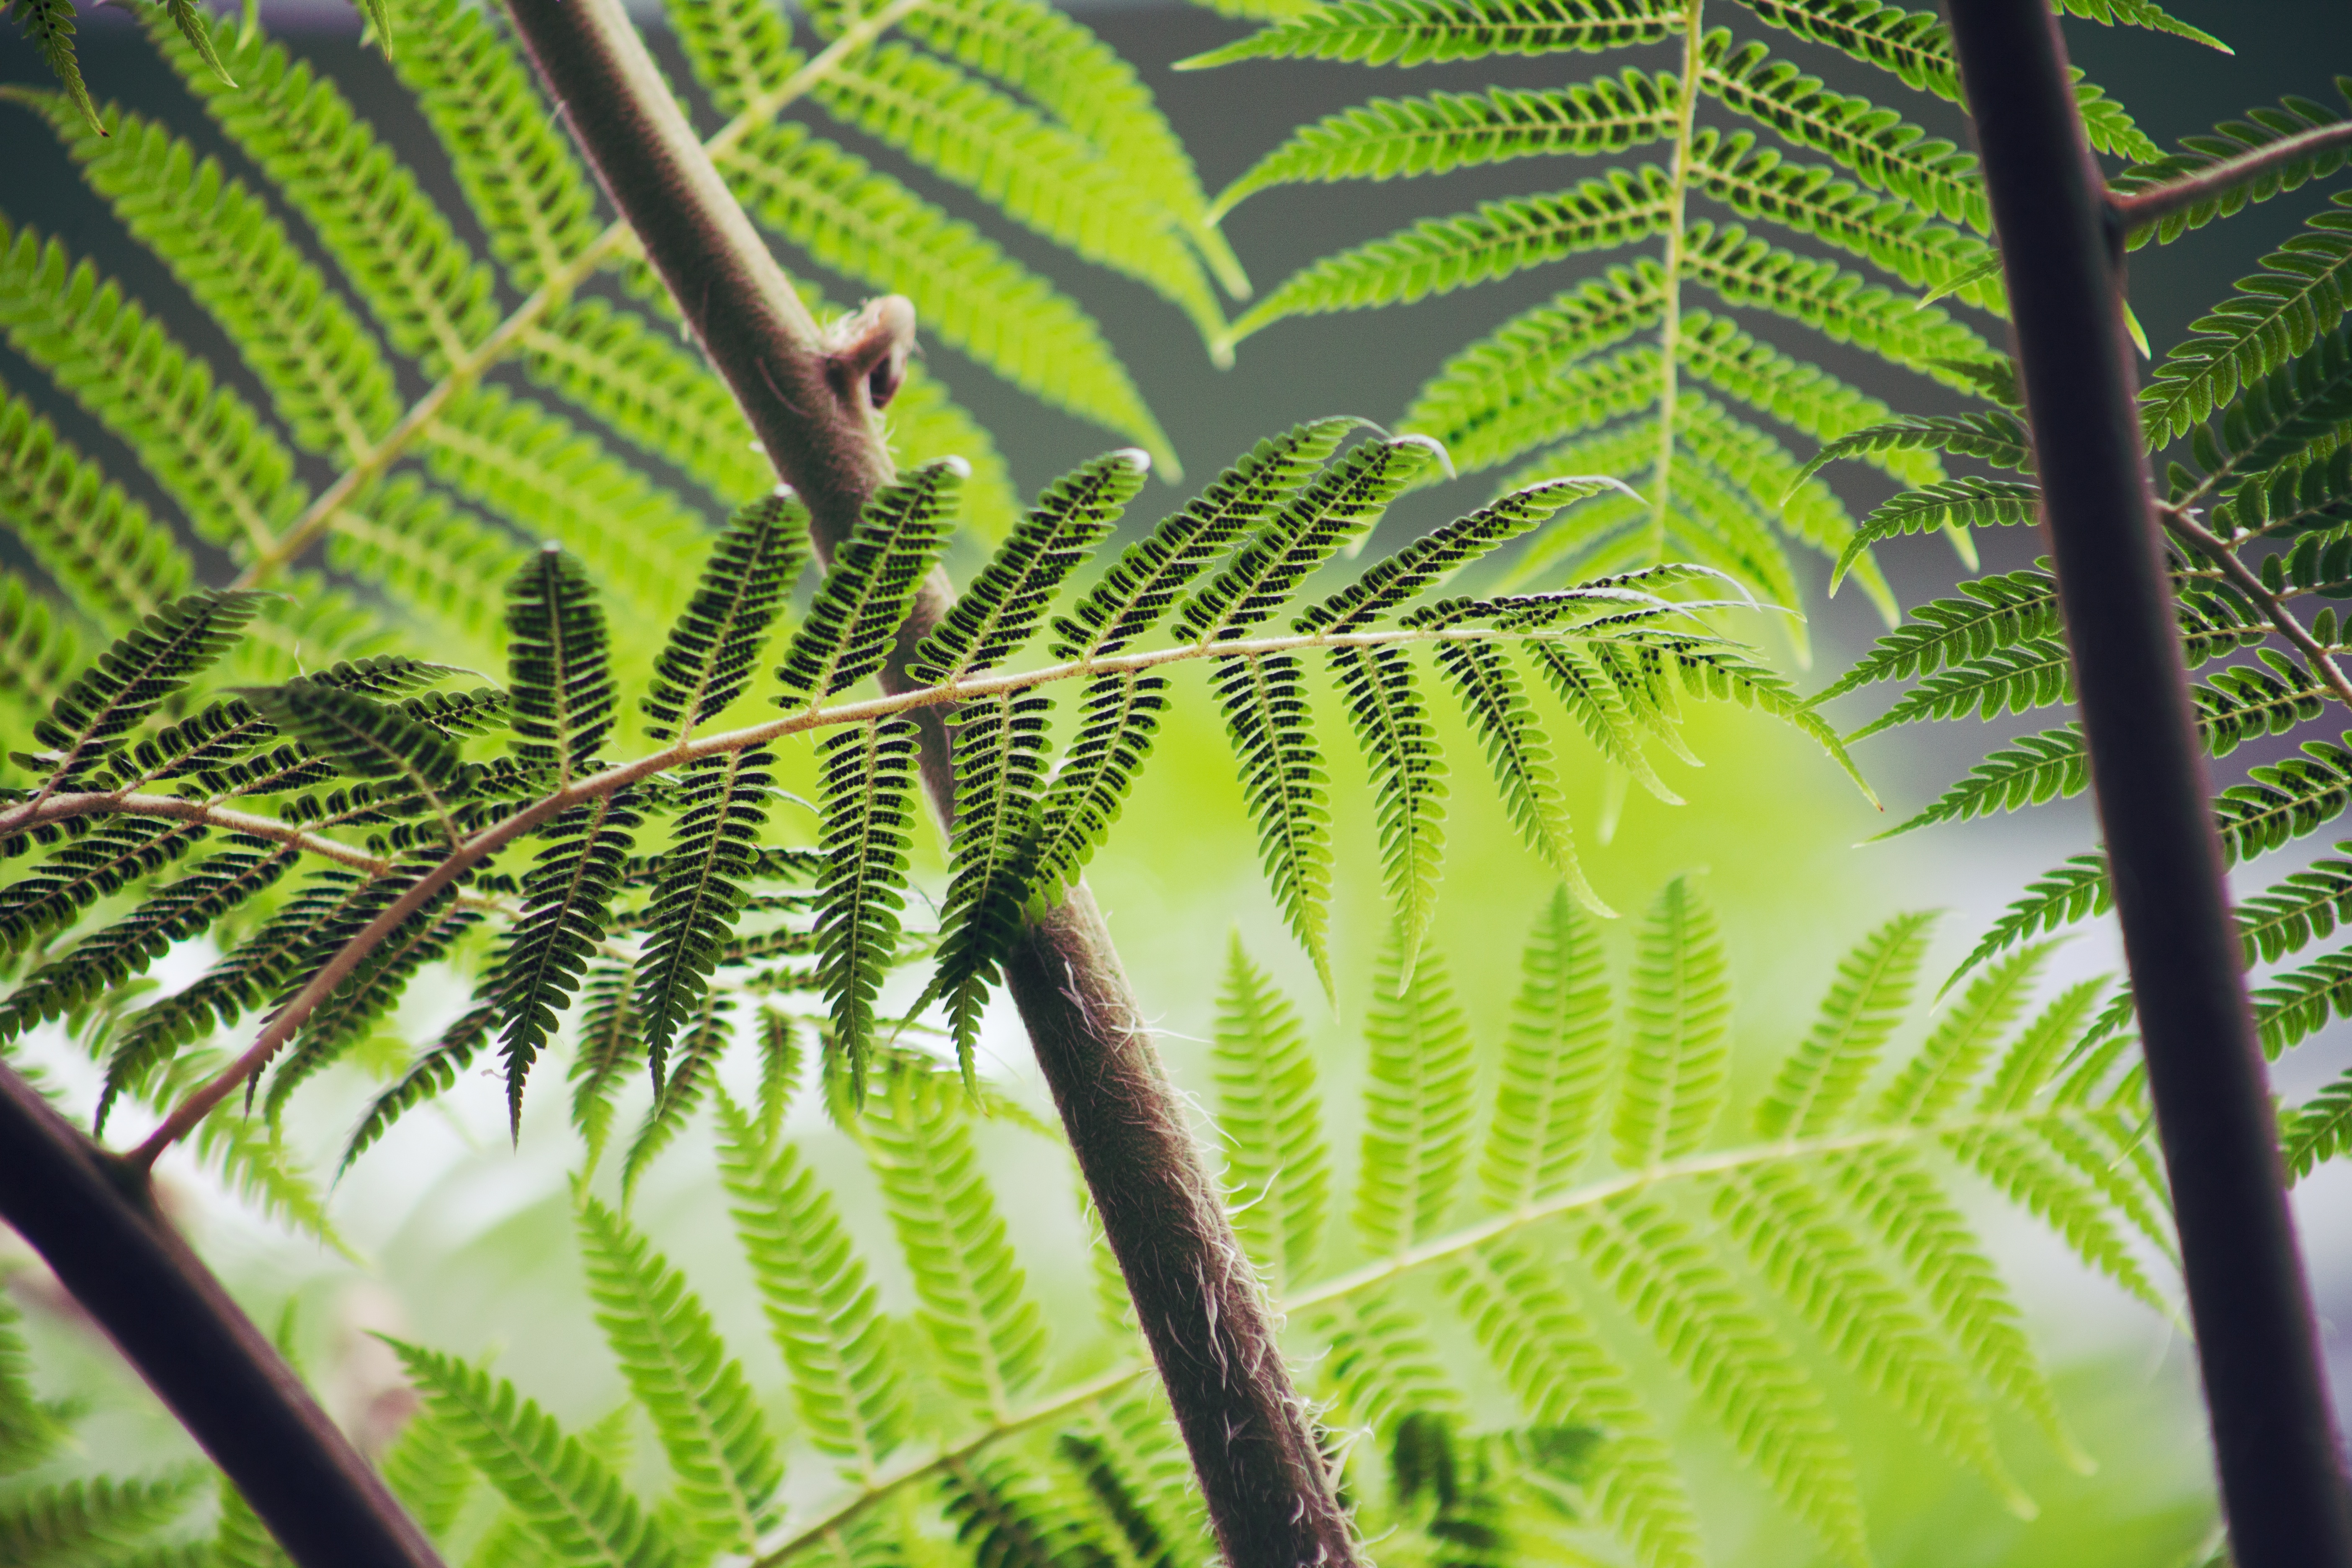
(1626, 372)
(1574, 1193)
(2250, 413)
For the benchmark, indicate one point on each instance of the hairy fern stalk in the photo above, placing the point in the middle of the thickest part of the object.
(1613, 1198)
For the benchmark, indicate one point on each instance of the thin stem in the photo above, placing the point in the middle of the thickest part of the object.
(1670, 324)
(2250, 583)
(58, 807)
(372, 461)
(2156, 203)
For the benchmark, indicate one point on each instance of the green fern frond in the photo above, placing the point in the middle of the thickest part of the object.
(1418, 32)
(1438, 256)
(571, 1502)
(2290, 413)
(2302, 909)
(822, 1311)
(677, 1368)
(1995, 438)
(91, 1521)
(1119, 719)
(1270, 1114)
(867, 772)
(876, 573)
(97, 544)
(738, 48)
(2297, 1004)
(1273, 736)
(2312, 498)
(558, 669)
(444, 565)
(39, 651)
(420, 281)
(432, 1075)
(365, 740)
(515, 165)
(428, 1472)
(243, 1153)
(30, 1430)
(2138, 13)
(993, 618)
(1965, 502)
(1750, 1381)
(1765, 472)
(2320, 1129)
(212, 453)
(608, 1049)
(1419, 1103)
(1390, 137)
(1556, 1065)
(1576, 399)
(1676, 1069)
(1142, 584)
(2263, 125)
(1561, 1371)
(1820, 1081)
(1000, 754)
(974, 1302)
(861, 223)
(1381, 1368)
(2014, 679)
(1992, 614)
(2075, 892)
(713, 849)
(1003, 1515)
(325, 374)
(716, 641)
(1037, 173)
(2031, 771)
(2284, 801)
(2273, 318)
(1913, 45)
(1494, 699)
(142, 671)
(1802, 396)
(1390, 718)
(2023, 1171)
(1341, 505)
(355, 1007)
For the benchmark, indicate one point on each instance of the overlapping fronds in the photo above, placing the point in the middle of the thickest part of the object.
(875, 573)
(1419, 1105)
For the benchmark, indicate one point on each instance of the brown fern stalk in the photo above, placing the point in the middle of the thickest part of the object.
(2282, 1484)
(812, 397)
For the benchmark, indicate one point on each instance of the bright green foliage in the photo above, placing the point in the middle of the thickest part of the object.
(1283, 781)
(713, 849)
(432, 1074)
(999, 763)
(428, 1472)
(874, 575)
(702, 1406)
(1959, 503)
(366, 739)
(1415, 32)
(1678, 1063)
(718, 639)
(50, 25)
(2263, 124)
(353, 1009)
(143, 669)
(94, 542)
(1271, 1115)
(84, 1522)
(558, 669)
(573, 1505)
(974, 1306)
(1555, 1062)
(1819, 1083)
(869, 814)
(1419, 1101)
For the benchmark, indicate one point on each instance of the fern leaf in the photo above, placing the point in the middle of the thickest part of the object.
(868, 780)
(211, 452)
(2320, 1129)
(677, 1368)
(2297, 1004)
(1763, 472)
(2261, 127)
(2012, 679)
(444, 566)
(1271, 1113)
(821, 1308)
(1810, 400)
(1913, 45)
(2279, 418)
(662, 396)
(1438, 256)
(428, 1472)
(876, 573)
(1000, 764)
(712, 849)
(608, 1048)
(1785, 1224)
(2075, 892)
(1143, 583)
(92, 1519)
(354, 1007)
(243, 1153)
(1270, 727)
(1037, 173)
(2309, 498)
(1756, 1389)
(708, 658)
(1992, 614)
(420, 281)
(1386, 710)
(144, 668)
(1496, 702)
(2079, 1212)
(2273, 317)
(1417, 32)
(1391, 137)
(738, 48)
(1878, 147)
(1120, 716)
(574, 1505)
(39, 651)
(1418, 1104)
(429, 1077)
(99, 545)
(1381, 1369)
(1941, 1071)
(1561, 1373)
(365, 740)
(557, 667)
(30, 1430)
(1995, 438)
(861, 224)
(515, 165)
(972, 1299)
(325, 374)
(1001, 1515)
(84, 869)
(2305, 907)
(1437, 555)
(1677, 1064)
(1821, 1081)
(996, 616)
(2138, 13)
(1556, 1064)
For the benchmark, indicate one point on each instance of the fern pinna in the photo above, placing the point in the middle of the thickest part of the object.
(1512, 1251)
(1624, 373)
(2249, 415)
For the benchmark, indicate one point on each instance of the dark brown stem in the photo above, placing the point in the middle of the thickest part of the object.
(1262, 1477)
(2283, 1483)
(2143, 207)
(92, 1216)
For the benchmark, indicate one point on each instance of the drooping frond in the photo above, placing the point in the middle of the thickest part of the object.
(713, 847)
(1494, 699)
(702, 1406)
(575, 1508)
(1989, 614)
(972, 1299)
(1283, 782)
(431, 1075)
(822, 1311)
(1270, 1114)
(2012, 679)
(365, 738)
(1000, 766)
(1677, 1064)
(1117, 717)
(1419, 1104)
(39, 651)
(559, 672)
(867, 772)
(428, 1473)
(875, 573)
(1390, 717)
(712, 649)
(1556, 1062)
(1996, 437)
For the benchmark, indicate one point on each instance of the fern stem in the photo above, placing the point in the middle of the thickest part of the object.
(58, 807)
(1671, 320)
(2248, 581)
(2156, 203)
(2282, 1478)
(372, 461)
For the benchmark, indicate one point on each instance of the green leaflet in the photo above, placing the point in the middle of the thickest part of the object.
(433, 1073)
(65, 1522)
(722, 802)
(1413, 32)
(1556, 1062)
(1388, 713)
(1270, 1114)
(354, 1007)
(1000, 766)
(142, 669)
(1822, 1080)
(1419, 1104)
(96, 543)
(869, 809)
(1677, 1067)
(875, 573)
(557, 665)
(1117, 717)
(1955, 503)
(678, 1095)
(1494, 699)
(718, 639)
(1267, 721)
